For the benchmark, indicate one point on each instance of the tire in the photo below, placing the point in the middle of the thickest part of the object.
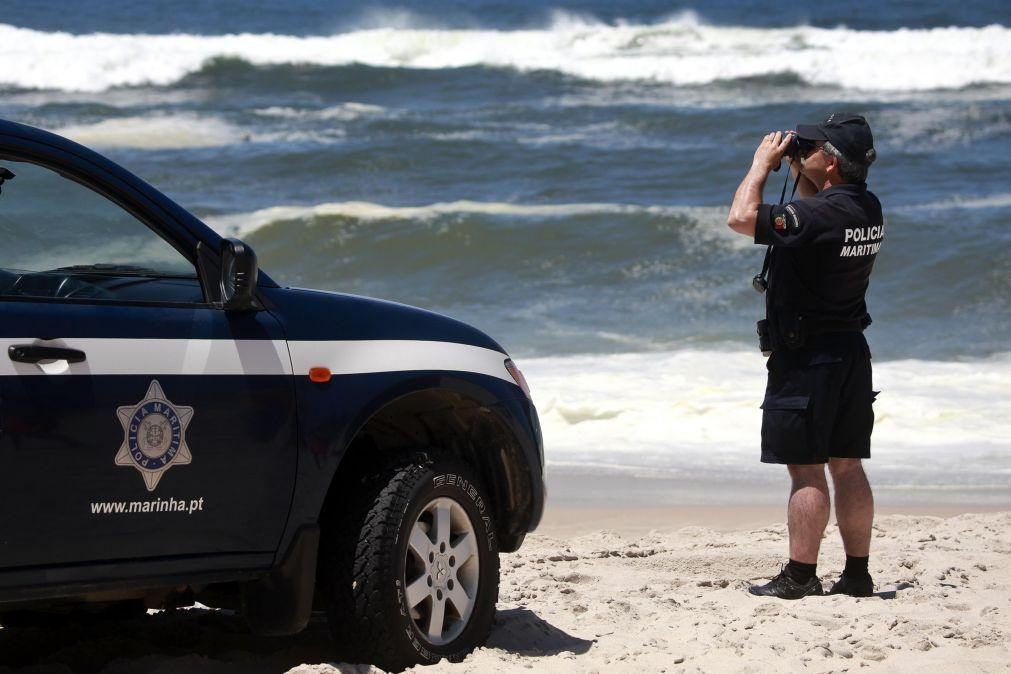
(410, 570)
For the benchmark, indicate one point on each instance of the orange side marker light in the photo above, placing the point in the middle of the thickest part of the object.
(320, 375)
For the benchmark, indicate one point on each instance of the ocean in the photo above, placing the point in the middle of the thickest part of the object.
(559, 176)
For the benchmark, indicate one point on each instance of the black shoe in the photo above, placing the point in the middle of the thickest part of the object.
(862, 586)
(785, 587)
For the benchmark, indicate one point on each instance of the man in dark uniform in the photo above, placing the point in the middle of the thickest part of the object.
(817, 407)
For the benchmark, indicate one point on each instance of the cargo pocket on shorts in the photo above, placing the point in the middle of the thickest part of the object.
(785, 436)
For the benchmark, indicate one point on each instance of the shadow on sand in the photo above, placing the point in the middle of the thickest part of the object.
(521, 631)
(201, 641)
(891, 594)
(197, 641)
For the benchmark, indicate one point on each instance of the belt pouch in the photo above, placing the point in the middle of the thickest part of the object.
(764, 338)
(792, 331)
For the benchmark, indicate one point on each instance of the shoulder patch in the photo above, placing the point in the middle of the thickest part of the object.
(792, 224)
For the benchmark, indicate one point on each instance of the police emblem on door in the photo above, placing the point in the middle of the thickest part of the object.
(154, 435)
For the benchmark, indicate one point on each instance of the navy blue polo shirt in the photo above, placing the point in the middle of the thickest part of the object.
(824, 248)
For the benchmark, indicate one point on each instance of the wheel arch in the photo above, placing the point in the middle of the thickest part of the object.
(457, 419)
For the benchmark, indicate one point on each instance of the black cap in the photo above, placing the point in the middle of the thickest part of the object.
(847, 132)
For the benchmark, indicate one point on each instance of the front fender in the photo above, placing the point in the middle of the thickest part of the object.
(333, 414)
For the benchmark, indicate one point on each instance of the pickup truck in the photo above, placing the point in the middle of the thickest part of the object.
(176, 427)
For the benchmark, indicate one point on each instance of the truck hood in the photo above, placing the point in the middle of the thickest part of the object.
(322, 315)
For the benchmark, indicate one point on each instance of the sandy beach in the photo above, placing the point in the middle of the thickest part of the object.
(638, 589)
(677, 600)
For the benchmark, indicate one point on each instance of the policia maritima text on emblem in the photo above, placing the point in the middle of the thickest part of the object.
(154, 435)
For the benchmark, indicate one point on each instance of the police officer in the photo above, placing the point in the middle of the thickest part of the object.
(817, 407)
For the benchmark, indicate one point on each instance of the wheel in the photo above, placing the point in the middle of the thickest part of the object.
(410, 571)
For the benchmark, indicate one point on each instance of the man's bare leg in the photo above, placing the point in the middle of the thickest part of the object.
(808, 511)
(854, 510)
(807, 517)
(854, 505)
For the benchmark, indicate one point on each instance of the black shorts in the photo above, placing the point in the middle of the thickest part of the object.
(818, 402)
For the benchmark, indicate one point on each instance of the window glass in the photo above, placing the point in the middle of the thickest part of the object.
(63, 240)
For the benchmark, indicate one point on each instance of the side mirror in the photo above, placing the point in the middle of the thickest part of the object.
(238, 276)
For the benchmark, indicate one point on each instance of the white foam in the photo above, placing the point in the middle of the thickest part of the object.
(157, 132)
(345, 112)
(963, 203)
(697, 411)
(178, 131)
(244, 223)
(680, 51)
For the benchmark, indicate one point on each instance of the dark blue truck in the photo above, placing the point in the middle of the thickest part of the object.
(176, 427)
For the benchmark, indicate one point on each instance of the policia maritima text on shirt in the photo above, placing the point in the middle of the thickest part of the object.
(817, 407)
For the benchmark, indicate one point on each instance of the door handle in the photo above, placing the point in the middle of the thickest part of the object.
(31, 353)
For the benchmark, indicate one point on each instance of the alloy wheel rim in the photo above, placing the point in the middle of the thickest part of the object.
(442, 572)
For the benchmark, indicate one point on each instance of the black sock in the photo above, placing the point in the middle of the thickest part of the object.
(856, 567)
(801, 572)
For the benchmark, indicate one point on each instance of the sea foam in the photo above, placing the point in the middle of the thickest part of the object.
(245, 223)
(679, 51)
(156, 132)
(696, 412)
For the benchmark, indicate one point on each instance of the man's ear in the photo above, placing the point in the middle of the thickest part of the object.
(832, 164)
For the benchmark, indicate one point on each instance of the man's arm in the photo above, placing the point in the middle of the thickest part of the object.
(747, 199)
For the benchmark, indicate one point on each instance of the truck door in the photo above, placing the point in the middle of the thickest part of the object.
(136, 420)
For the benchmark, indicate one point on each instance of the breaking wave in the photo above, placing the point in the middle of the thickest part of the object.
(679, 51)
(958, 202)
(188, 130)
(157, 132)
(244, 223)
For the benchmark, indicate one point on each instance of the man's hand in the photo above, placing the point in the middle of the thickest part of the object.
(770, 151)
(744, 209)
